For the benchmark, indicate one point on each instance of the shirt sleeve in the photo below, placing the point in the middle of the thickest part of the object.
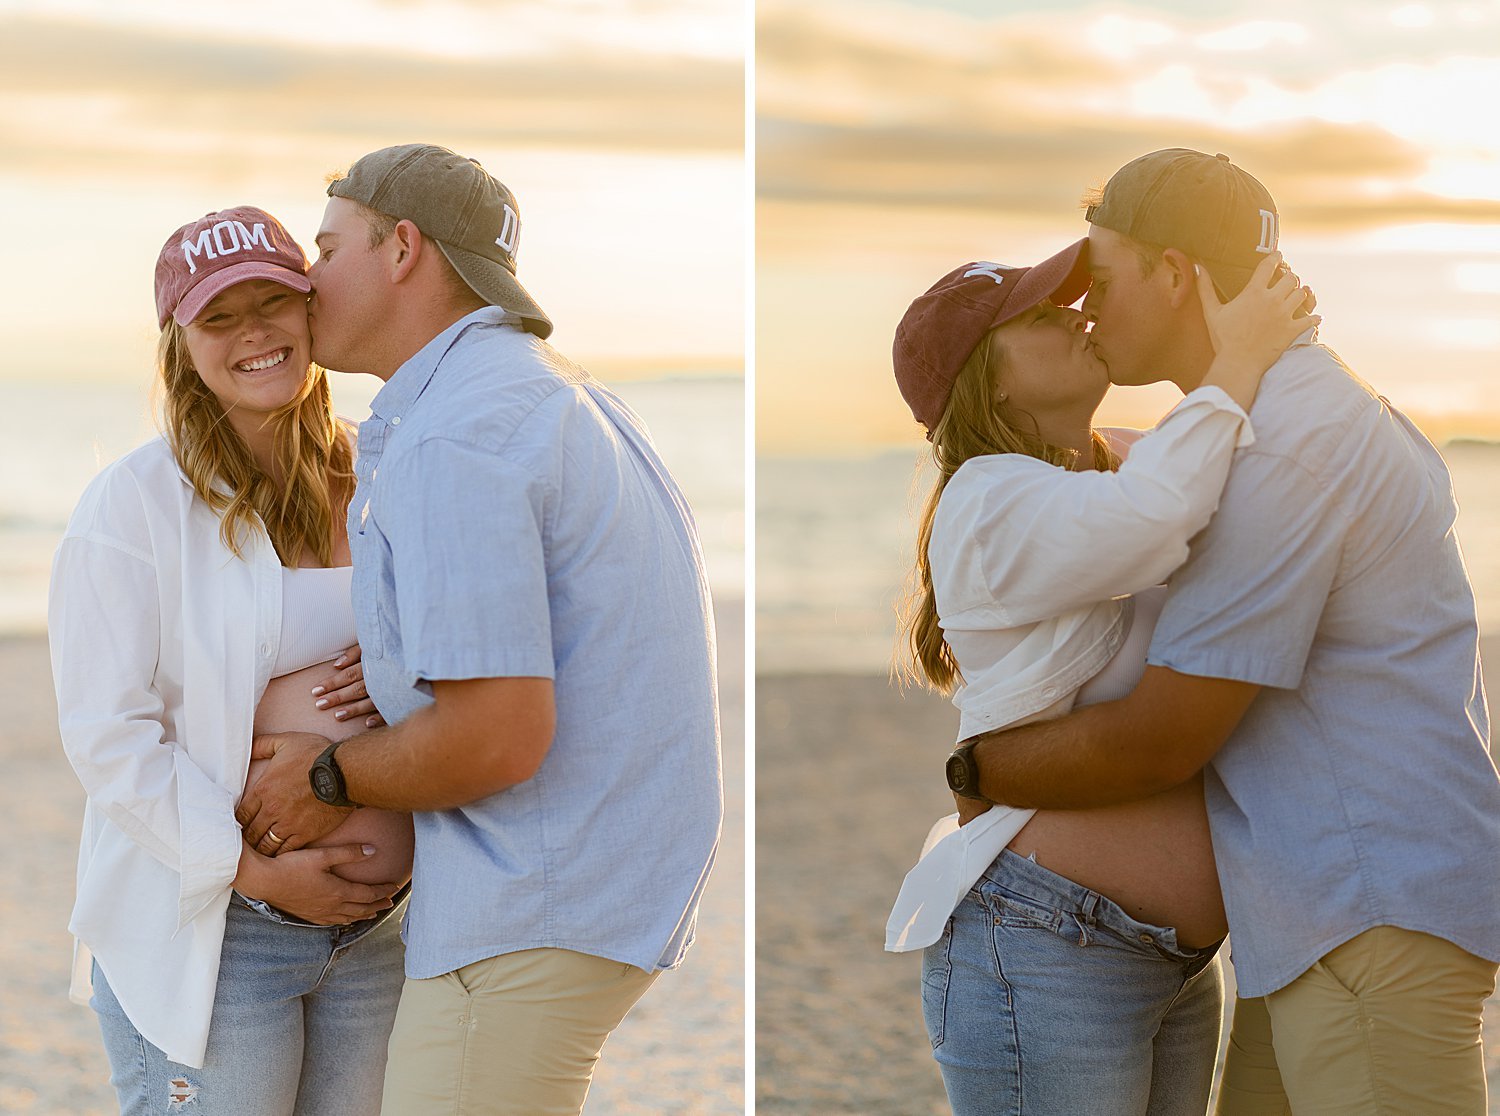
(1247, 603)
(104, 629)
(466, 530)
(1039, 541)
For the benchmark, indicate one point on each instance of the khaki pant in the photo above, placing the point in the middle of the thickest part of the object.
(1387, 1023)
(513, 1035)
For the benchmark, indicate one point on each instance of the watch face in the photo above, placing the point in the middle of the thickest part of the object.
(324, 784)
(958, 775)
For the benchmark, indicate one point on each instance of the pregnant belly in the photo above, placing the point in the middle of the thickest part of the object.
(1153, 857)
(287, 706)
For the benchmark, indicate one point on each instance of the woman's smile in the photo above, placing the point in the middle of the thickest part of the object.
(264, 362)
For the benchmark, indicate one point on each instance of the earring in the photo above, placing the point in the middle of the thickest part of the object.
(1001, 398)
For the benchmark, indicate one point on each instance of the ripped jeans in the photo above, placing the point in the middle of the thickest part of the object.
(301, 1019)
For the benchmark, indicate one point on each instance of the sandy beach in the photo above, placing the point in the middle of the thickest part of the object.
(847, 783)
(681, 1051)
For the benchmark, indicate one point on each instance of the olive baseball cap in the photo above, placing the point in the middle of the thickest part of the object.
(472, 217)
(943, 326)
(217, 251)
(1201, 204)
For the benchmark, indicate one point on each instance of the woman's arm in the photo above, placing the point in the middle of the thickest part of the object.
(1252, 330)
(104, 628)
(106, 619)
(1047, 541)
(1040, 541)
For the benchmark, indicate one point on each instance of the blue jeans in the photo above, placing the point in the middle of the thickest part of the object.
(301, 1019)
(1044, 997)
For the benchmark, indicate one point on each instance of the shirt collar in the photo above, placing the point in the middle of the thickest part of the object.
(403, 389)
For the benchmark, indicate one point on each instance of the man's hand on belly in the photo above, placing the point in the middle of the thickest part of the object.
(282, 802)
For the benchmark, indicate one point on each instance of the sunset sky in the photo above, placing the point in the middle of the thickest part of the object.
(619, 125)
(898, 139)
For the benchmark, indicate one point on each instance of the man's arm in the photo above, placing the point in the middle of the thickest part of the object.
(477, 738)
(1158, 736)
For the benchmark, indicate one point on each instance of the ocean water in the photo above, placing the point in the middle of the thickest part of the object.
(834, 541)
(54, 437)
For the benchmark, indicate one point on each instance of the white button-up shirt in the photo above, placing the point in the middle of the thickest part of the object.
(1029, 565)
(162, 643)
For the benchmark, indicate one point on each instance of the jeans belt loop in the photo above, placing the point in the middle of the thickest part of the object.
(1090, 910)
(1086, 918)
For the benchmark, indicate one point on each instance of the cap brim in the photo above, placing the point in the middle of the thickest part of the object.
(203, 293)
(497, 286)
(1063, 279)
(1229, 279)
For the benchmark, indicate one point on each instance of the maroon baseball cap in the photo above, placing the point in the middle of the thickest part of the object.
(941, 329)
(218, 250)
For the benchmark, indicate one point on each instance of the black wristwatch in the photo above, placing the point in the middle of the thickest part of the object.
(963, 772)
(327, 779)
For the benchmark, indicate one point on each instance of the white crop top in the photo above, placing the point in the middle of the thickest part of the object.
(317, 616)
(1124, 670)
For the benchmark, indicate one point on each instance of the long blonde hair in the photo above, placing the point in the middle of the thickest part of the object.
(310, 447)
(972, 425)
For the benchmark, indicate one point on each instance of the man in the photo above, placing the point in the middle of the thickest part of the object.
(535, 626)
(1319, 653)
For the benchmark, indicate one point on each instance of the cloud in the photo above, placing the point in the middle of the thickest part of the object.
(81, 94)
(1020, 113)
(1315, 171)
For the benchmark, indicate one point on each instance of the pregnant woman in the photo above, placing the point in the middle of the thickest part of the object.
(1070, 956)
(199, 595)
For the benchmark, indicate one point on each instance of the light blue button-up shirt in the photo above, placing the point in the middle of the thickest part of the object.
(512, 519)
(1358, 790)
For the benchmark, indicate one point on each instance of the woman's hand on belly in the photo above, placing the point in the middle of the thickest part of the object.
(286, 707)
(343, 693)
(305, 883)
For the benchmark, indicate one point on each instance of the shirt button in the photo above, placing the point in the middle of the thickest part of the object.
(1050, 692)
(265, 649)
(396, 421)
(1146, 938)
